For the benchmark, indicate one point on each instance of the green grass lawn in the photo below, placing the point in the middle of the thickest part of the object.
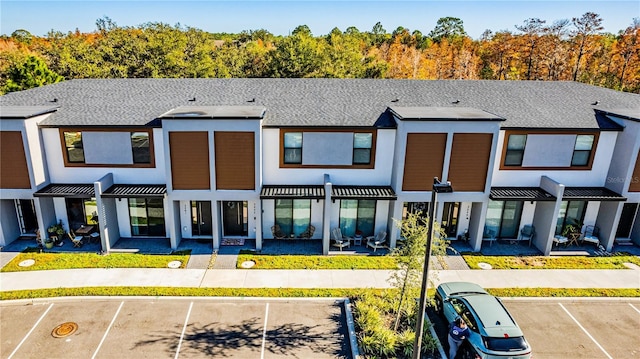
(266, 261)
(48, 261)
(541, 262)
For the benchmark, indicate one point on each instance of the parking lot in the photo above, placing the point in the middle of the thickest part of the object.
(175, 328)
(584, 328)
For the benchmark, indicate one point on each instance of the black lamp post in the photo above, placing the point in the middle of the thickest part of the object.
(437, 188)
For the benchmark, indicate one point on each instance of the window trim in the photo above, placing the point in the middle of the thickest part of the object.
(505, 142)
(65, 155)
(353, 130)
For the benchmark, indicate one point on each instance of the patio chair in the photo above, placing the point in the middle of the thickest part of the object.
(590, 235)
(560, 239)
(76, 240)
(377, 241)
(277, 232)
(527, 233)
(489, 235)
(308, 233)
(339, 240)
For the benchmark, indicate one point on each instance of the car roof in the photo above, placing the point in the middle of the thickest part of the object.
(462, 288)
(494, 317)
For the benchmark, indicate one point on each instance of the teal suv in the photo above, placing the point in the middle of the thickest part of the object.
(494, 333)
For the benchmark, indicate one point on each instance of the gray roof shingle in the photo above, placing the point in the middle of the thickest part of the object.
(322, 102)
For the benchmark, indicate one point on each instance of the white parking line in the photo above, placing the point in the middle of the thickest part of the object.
(108, 328)
(32, 329)
(632, 306)
(184, 328)
(264, 330)
(586, 332)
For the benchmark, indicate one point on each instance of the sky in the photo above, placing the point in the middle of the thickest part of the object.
(281, 17)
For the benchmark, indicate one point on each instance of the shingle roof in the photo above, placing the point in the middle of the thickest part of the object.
(22, 112)
(322, 102)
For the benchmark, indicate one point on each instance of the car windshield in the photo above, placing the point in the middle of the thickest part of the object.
(505, 344)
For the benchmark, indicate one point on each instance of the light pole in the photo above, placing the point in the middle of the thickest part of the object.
(437, 188)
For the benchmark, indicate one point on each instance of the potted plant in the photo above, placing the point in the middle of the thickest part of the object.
(56, 232)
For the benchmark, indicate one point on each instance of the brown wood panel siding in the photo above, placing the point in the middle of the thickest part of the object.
(423, 160)
(470, 161)
(235, 160)
(634, 185)
(189, 152)
(14, 172)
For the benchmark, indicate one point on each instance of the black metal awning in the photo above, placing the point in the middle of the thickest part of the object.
(292, 192)
(135, 190)
(363, 192)
(520, 194)
(591, 194)
(77, 190)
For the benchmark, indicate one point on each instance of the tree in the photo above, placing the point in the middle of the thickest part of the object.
(585, 26)
(22, 36)
(627, 48)
(410, 255)
(532, 29)
(447, 27)
(33, 72)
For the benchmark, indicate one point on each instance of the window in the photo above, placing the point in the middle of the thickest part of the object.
(515, 150)
(357, 215)
(146, 216)
(571, 213)
(582, 150)
(503, 217)
(81, 211)
(293, 215)
(140, 147)
(362, 148)
(420, 209)
(73, 144)
(293, 147)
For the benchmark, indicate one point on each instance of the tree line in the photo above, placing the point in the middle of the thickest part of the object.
(573, 50)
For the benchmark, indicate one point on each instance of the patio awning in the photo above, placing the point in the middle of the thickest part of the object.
(520, 194)
(292, 192)
(135, 190)
(77, 190)
(363, 192)
(591, 194)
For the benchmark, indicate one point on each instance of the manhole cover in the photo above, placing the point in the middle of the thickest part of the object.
(27, 263)
(64, 330)
(174, 264)
(247, 264)
(484, 265)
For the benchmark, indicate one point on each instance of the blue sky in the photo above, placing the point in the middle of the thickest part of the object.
(281, 17)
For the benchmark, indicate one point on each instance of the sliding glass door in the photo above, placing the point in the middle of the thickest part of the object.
(357, 216)
(503, 218)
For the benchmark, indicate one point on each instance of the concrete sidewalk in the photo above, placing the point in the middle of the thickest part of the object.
(256, 278)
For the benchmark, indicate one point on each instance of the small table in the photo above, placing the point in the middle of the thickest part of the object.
(357, 240)
(84, 230)
(573, 239)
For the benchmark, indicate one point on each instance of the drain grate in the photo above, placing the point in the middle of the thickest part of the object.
(64, 330)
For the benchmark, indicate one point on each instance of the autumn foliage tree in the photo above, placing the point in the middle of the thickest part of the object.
(570, 50)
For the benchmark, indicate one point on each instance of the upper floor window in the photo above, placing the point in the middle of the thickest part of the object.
(140, 147)
(362, 148)
(582, 150)
(73, 146)
(293, 147)
(515, 150)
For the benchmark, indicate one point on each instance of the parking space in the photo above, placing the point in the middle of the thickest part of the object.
(177, 328)
(557, 328)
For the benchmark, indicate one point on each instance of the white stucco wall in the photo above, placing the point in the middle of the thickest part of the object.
(624, 159)
(380, 175)
(60, 174)
(596, 176)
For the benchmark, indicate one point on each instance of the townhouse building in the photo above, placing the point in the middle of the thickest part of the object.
(208, 159)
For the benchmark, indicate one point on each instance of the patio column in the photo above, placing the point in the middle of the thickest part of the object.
(326, 218)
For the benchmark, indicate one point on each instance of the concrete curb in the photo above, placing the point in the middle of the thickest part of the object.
(353, 340)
